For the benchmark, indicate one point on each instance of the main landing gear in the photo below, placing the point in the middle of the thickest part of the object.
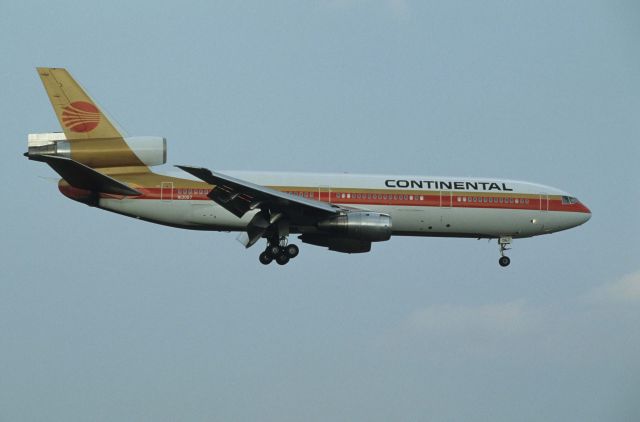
(279, 251)
(504, 243)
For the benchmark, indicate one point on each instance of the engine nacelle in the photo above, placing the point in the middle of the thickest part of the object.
(362, 225)
(151, 150)
(115, 152)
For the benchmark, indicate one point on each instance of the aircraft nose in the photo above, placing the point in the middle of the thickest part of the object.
(585, 217)
(585, 214)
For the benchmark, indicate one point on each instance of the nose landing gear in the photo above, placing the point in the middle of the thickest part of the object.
(504, 261)
(505, 245)
(278, 250)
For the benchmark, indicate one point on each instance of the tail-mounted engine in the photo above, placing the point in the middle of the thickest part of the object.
(114, 152)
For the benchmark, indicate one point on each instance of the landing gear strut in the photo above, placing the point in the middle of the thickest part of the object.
(504, 243)
(279, 250)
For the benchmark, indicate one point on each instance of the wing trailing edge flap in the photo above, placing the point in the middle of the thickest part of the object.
(256, 228)
(82, 177)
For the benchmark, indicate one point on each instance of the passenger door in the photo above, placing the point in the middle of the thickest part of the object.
(446, 199)
(324, 193)
(544, 202)
(166, 191)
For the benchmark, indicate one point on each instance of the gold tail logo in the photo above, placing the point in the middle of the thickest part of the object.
(81, 116)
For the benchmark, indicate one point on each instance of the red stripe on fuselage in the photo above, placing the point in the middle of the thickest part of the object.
(388, 198)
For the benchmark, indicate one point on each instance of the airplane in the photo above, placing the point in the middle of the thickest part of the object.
(101, 167)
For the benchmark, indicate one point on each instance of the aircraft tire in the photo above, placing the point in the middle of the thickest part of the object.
(265, 258)
(282, 259)
(504, 261)
(292, 251)
(273, 251)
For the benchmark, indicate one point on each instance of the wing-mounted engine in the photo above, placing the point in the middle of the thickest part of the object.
(360, 225)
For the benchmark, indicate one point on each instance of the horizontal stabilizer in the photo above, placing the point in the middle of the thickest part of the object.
(82, 177)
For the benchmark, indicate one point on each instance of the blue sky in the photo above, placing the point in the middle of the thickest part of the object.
(104, 317)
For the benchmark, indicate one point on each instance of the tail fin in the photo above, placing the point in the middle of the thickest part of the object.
(78, 114)
(90, 138)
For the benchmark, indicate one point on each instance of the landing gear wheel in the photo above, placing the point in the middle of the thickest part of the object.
(504, 261)
(282, 259)
(265, 258)
(278, 248)
(273, 251)
(505, 244)
(292, 251)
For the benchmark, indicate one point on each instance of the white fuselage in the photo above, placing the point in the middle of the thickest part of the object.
(418, 206)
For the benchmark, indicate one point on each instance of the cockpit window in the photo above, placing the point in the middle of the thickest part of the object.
(567, 200)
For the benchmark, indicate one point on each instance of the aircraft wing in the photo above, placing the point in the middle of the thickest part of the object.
(239, 197)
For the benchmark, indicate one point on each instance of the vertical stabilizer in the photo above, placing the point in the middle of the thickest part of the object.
(89, 137)
(78, 114)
